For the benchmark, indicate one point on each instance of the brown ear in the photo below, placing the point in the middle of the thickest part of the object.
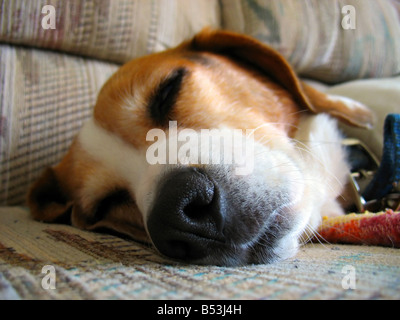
(350, 111)
(48, 201)
(49, 197)
(273, 64)
(57, 197)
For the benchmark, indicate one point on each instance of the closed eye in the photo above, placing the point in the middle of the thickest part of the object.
(164, 97)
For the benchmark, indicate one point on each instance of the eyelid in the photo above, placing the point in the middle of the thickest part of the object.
(164, 96)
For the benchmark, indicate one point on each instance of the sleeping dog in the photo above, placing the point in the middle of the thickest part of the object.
(205, 212)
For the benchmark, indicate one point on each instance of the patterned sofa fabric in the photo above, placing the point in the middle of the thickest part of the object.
(90, 265)
(114, 30)
(44, 98)
(327, 40)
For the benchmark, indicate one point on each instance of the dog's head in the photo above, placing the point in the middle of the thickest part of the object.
(149, 164)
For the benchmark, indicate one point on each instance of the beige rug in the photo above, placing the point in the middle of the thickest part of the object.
(84, 265)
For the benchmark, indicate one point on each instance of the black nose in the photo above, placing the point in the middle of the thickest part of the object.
(188, 215)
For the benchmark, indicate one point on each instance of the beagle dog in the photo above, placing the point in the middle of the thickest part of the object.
(137, 167)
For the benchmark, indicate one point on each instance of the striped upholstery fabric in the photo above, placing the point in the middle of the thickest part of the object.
(91, 266)
(115, 30)
(310, 35)
(45, 97)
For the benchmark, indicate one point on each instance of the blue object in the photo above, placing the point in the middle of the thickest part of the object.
(388, 174)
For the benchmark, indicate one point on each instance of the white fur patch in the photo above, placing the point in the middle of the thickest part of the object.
(325, 167)
(116, 155)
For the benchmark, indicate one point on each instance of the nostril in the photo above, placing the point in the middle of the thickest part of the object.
(187, 216)
(200, 212)
(201, 203)
(194, 211)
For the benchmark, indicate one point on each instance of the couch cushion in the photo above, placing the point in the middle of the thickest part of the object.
(97, 266)
(115, 30)
(44, 99)
(310, 35)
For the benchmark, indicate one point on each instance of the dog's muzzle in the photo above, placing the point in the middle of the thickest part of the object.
(188, 218)
(209, 216)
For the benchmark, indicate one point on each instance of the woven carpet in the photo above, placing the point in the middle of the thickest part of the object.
(96, 266)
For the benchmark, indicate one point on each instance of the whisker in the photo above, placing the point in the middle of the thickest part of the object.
(307, 150)
(318, 236)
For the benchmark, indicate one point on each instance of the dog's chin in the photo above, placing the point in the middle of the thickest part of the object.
(262, 251)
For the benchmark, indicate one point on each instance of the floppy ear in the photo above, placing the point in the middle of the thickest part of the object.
(60, 195)
(346, 109)
(47, 201)
(273, 64)
(48, 198)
